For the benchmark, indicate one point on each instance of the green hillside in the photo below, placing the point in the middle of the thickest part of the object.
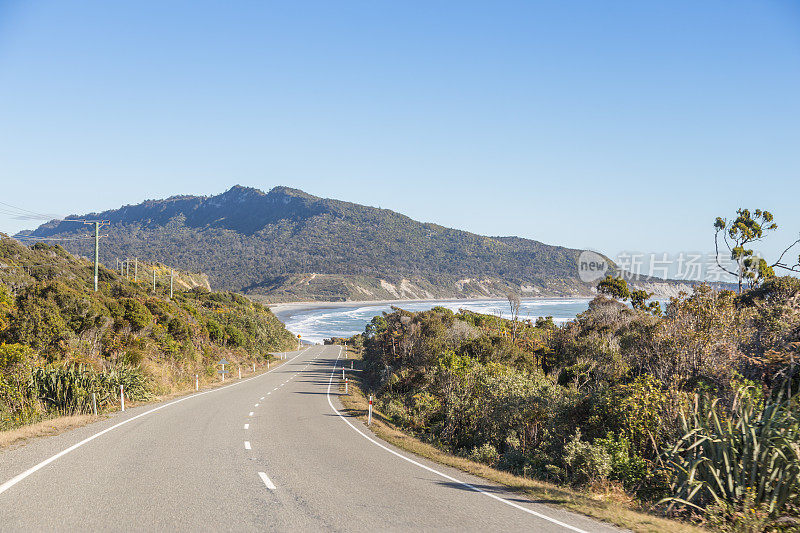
(60, 341)
(287, 244)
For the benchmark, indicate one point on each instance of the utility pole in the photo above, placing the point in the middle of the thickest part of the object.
(97, 225)
(135, 269)
(171, 277)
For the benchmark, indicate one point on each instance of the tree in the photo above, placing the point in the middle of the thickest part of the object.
(515, 304)
(614, 287)
(738, 235)
(618, 288)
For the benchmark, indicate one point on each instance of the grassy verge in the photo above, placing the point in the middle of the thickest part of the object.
(60, 424)
(609, 505)
(45, 428)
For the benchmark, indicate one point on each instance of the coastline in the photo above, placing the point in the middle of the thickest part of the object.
(284, 310)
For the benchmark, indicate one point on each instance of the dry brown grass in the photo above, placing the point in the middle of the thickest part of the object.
(53, 426)
(608, 503)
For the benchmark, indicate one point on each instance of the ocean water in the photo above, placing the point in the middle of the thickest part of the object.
(332, 320)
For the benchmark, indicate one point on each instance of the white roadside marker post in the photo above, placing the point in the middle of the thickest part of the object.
(254, 367)
(351, 364)
(345, 386)
(342, 372)
(369, 417)
(240, 372)
(196, 382)
(122, 397)
(94, 404)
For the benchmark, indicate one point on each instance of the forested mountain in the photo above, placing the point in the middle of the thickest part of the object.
(290, 245)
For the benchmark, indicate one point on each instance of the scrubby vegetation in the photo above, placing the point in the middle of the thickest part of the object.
(61, 342)
(692, 411)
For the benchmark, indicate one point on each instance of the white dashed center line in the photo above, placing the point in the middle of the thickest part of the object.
(247, 426)
(266, 481)
(247, 445)
(251, 413)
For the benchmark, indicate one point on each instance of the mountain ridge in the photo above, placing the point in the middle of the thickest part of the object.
(289, 244)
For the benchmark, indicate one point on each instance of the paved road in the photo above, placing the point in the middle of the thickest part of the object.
(267, 453)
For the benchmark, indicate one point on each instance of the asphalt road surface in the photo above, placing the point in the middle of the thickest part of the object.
(271, 452)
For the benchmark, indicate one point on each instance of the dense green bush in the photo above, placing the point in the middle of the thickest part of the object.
(16, 397)
(586, 462)
(602, 397)
(178, 328)
(63, 340)
(234, 336)
(137, 314)
(215, 331)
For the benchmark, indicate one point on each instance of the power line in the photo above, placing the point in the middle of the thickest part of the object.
(28, 211)
(34, 238)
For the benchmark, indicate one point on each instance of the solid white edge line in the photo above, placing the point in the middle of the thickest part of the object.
(19, 477)
(442, 474)
(266, 480)
(247, 445)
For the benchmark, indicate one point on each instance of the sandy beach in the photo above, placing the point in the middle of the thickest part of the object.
(287, 309)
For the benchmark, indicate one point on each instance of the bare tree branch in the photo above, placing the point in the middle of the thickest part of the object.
(778, 262)
(716, 255)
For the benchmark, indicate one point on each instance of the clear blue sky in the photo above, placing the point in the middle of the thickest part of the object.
(610, 125)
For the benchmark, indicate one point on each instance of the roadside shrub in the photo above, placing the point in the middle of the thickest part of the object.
(137, 314)
(178, 328)
(122, 290)
(215, 331)
(159, 309)
(39, 324)
(16, 400)
(586, 462)
(626, 467)
(234, 336)
(485, 453)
